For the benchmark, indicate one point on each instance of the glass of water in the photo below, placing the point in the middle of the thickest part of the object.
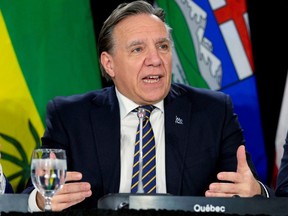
(48, 172)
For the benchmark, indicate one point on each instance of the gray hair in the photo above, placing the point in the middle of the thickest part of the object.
(124, 10)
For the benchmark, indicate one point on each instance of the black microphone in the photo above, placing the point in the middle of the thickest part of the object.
(141, 115)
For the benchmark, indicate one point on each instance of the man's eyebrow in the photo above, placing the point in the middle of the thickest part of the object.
(161, 40)
(135, 43)
(140, 42)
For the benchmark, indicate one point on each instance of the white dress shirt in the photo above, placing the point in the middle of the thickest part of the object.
(129, 123)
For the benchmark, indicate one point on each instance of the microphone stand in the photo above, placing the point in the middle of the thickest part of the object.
(141, 115)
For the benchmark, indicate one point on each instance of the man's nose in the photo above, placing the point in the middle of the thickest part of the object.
(153, 57)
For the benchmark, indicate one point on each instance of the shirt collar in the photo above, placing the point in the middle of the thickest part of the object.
(126, 105)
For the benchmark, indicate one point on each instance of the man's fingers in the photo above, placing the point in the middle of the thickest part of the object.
(242, 165)
(71, 194)
(209, 193)
(63, 201)
(241, 183)
(228, 177)
(73, 176)
(223, 188)
(74, 187)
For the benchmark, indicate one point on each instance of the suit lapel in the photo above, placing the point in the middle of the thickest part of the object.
(105, 120)
(177, 115)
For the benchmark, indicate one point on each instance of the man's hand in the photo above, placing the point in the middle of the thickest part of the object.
(70, 194)
(243, 183)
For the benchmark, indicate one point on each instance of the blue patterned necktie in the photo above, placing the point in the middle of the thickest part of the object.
(149, 156)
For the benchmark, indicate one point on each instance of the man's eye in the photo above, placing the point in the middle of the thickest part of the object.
(137, 50)
(164, 47)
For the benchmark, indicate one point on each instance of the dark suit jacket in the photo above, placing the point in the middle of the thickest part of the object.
(282, 179)
(88, 127)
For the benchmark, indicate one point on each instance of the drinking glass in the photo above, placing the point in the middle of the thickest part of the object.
(48, 172)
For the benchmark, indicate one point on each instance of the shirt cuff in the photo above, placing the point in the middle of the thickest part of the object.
(264, 191)
(32, 204)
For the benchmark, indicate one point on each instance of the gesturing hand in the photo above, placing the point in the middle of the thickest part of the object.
(242, 182)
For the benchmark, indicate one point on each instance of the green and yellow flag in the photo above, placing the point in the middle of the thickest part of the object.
(47, 48)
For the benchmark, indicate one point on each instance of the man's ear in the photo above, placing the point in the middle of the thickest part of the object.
(107, 63)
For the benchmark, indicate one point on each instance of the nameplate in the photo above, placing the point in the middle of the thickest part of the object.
(242, 206)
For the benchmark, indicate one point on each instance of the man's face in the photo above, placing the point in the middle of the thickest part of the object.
(141, 61)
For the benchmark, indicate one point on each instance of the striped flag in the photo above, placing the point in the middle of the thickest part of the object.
(47, 48)
(213, 50)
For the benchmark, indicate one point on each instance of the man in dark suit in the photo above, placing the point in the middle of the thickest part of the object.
(199, 142)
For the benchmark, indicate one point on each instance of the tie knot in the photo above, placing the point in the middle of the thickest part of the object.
(148, 109)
